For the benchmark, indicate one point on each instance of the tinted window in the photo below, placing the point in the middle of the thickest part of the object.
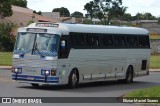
(107, 40)
(77, 40)
(119, 41)
(132, 41)
(102, 41)
(144, 41)
(92, 40)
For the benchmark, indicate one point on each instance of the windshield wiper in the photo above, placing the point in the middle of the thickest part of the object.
(36, 49)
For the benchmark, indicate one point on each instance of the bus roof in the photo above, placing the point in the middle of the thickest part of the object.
(65, 29)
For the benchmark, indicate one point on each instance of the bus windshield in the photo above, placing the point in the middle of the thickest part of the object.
(37, 44)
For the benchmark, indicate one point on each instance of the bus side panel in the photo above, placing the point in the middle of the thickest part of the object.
(104, 64)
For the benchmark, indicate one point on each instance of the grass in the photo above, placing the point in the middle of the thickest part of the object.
(6, 59)
(155, 61)
(146, 92)
(154, 36)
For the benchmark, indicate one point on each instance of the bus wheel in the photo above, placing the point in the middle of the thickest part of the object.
(35, 85)
(129, 75)
(73, 79)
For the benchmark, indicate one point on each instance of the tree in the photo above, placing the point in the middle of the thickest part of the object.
(39, 13)
(5, 9)
(77, 14)
(104, 10)
(121, 12)
(20, 3)
(144, 16)
(127, 17)
(87, 21)
(90, 9)
(158, 20)
(6, 36)
(149, 16)
(64, 12)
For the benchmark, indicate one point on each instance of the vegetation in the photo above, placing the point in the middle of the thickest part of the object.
(77, 14)
(155, 61)
(7, 38)
(146, 92)
(64, 12)
(143, 16)
(5, 58)
(159, 20)
(87, 21)
(154, 36)
(5, 9)
(20, 3)
(39, 13)
(105, 10)
(89, 7)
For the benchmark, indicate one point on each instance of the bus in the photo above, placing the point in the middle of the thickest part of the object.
(61, 53)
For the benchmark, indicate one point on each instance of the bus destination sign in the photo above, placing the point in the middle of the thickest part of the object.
(46, 25)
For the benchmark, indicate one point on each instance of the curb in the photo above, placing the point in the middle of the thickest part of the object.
(154, 70)
(6, 67)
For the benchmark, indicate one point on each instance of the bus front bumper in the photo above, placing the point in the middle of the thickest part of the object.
(36, 79)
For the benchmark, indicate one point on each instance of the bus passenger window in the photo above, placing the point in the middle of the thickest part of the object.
(132, 41)
(144, 41)
(77, 40)
(92, 40)
(107, 40)
(120, 41)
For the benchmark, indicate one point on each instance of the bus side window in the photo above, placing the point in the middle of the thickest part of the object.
(92, 40)
(77, 40)
(120, 41)
(132, 41)
(107, 40)
(144, 41)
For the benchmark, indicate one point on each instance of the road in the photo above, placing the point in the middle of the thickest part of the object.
(9, 88)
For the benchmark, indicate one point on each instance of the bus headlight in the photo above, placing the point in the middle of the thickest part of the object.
(16, 70)
(45, 72)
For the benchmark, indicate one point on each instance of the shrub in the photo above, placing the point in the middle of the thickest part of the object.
(7, 38)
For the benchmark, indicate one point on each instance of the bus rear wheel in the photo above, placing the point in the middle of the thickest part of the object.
(129, 75)
(73, 79)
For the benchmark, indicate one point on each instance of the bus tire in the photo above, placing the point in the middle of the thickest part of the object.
(73, 79)
(35, 85)
(129, 75)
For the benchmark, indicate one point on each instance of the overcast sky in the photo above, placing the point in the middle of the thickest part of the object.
(134, 6)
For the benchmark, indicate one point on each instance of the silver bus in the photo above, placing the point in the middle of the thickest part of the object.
(54, 54)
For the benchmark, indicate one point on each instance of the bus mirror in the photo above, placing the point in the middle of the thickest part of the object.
(63, 44)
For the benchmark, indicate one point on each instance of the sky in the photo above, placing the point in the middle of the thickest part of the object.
(134, 6)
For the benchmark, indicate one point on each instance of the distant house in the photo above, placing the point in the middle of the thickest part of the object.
(56, 16)
(52, 15)
(22, 16)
